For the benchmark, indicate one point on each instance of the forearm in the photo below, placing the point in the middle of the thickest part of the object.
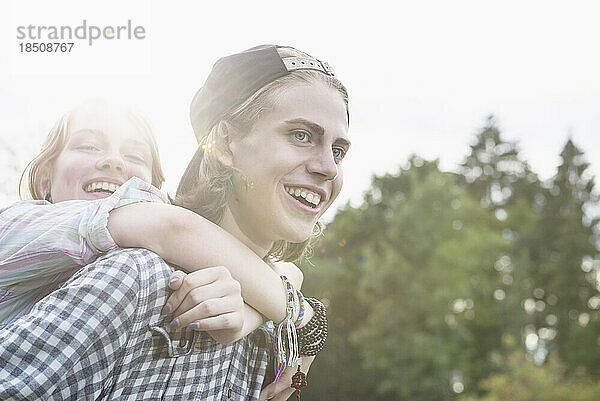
(188, 240)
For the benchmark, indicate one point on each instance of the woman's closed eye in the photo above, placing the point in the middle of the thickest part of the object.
(136, 158)
(87, 147)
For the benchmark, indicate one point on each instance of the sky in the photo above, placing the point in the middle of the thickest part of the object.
(422, 76)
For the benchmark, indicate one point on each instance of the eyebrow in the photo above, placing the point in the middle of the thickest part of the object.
(316, 128)
(88, 131)
(101, 133)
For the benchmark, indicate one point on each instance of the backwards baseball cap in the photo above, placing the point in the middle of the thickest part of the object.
(235, 78)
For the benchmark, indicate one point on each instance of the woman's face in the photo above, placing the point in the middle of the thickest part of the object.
(292, 160)
(104, 149)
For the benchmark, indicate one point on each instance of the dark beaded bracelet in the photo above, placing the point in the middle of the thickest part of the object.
(312, 350)
(317, 336)
(311, 337)
(319, 317)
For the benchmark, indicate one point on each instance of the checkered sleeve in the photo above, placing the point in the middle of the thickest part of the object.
(69, 344)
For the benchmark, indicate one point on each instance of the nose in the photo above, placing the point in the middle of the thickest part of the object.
(323, 164)
(111, 162)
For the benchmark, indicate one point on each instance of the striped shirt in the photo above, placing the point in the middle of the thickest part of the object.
(43, 244)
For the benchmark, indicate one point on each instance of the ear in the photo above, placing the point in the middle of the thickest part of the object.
(225, 136)
(44, 179)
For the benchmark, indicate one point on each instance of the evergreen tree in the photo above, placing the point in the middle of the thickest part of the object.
(494, 174)
(568, 266)
(493, 170)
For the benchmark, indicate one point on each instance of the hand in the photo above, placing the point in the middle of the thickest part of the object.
(282, 390)
(208, 299)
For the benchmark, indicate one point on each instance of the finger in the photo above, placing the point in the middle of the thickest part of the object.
(225, 321)
(267, 392)
(191, 281)
(175, 279)
(210, 308)
(277, 391)
(198, 295)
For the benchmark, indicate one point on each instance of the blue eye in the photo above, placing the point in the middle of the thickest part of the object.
(338, 154)
(301, 136)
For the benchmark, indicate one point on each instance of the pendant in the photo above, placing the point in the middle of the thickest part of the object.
(298, 381)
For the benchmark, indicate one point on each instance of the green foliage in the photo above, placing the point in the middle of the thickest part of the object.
(520, 379)
(435, 273)
(412, 279)
(568, 241)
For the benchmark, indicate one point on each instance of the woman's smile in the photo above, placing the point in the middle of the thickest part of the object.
(309, 200)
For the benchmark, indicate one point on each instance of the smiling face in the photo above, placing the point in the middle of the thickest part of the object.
(292, 160)
(105, 147)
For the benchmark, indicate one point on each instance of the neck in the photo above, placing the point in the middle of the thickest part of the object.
(260, 247)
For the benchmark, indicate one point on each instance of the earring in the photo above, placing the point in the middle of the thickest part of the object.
(248, 183)
(207, 146)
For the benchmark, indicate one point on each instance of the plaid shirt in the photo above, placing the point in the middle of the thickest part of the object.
(101, 337)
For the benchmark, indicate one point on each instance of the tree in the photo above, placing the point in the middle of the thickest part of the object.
(568, 264)
(493, 170)
(520, 379)
(410, 283)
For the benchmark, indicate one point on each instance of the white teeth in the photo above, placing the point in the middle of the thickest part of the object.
(315, 199)
(106, 186)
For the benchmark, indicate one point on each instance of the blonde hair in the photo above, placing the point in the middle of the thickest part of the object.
(214, 183)
(38, 171)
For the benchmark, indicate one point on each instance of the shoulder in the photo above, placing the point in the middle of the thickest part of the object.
(132, 281)
(34, 210)
(23, 205)
(133, 260)
(129, 267)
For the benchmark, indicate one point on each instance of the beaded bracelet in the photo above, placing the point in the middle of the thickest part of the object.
(312, 337)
